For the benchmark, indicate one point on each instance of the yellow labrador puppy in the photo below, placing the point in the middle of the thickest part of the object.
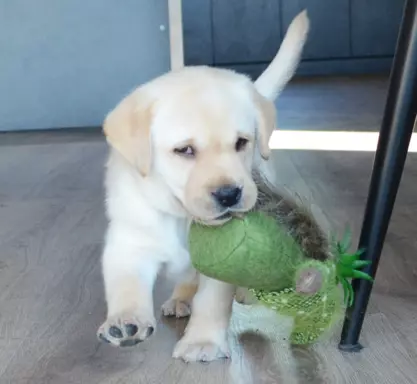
(182, 148)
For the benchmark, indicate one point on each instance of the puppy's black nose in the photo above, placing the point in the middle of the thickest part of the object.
(228, 195)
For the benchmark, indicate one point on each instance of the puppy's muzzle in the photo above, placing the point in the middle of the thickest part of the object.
(227, 196)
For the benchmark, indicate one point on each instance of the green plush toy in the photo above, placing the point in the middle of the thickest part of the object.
(280, 253)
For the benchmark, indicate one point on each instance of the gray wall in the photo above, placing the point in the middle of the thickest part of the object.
(65, 63)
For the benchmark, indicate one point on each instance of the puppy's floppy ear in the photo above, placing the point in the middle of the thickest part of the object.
(266, 120)
(127, 129)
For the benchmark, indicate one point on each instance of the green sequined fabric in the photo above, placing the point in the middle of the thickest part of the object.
(314, 315)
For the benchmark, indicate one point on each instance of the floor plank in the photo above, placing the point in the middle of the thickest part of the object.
(51, 235)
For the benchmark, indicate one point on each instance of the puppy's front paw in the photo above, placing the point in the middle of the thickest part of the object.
(176, 307)
(126, 330)
(199, 350)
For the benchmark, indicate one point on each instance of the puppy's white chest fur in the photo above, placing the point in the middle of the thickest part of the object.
(143, 208)
(178, 260)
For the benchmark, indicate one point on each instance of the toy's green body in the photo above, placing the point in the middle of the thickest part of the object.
(257, 253)
(248, 256)
(266, 254)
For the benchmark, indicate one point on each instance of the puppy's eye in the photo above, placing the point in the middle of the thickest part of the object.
(187, 151)
(241, 144)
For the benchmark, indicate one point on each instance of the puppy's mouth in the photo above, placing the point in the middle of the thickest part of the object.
(224, 216)
(221, 219)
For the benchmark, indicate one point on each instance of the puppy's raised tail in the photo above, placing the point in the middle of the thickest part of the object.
(272, 81)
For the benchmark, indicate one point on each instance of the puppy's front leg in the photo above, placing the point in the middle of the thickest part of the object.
(205, 337)
(129, 274)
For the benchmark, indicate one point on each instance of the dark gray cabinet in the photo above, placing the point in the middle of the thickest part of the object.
(197, 31)
(244, 33)
(375, 25)
(346, 36)
(329, 33)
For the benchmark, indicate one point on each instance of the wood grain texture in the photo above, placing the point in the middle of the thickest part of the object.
(332, 103)
(51, 231)
(246, 31)
(329, 31)
(374, 26)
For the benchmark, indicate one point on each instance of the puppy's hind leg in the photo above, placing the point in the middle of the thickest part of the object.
(244, 296)
(205, 337)
(179, 304)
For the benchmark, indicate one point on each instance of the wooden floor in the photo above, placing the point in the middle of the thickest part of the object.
(51, 293)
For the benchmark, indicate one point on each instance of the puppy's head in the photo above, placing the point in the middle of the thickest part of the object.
(194, 132)
(197, 130)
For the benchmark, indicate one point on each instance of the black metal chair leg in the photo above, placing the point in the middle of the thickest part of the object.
(395, 134)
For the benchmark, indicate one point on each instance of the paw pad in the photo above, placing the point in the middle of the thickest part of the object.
(123, 333)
